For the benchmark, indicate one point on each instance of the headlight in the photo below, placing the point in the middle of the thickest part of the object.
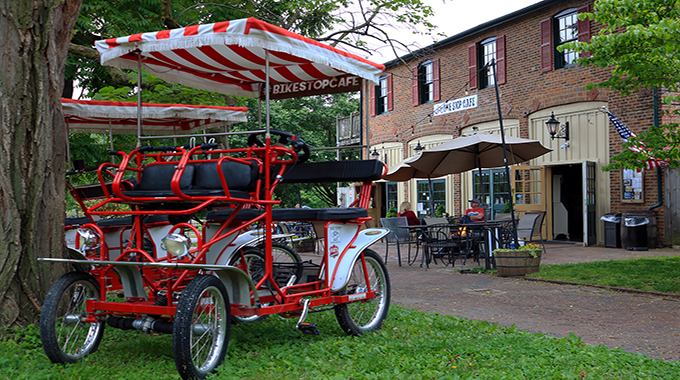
(88, 239)
(176, 244)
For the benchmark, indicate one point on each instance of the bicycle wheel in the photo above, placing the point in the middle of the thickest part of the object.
(65, 335)
(362, 316)
(251, 261)
(201, 329)
(287, 262)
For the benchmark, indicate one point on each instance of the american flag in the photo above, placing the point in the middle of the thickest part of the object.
(626, 133)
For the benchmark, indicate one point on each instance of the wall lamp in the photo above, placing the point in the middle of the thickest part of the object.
(418, 147)
(375, 153)
(556, 130)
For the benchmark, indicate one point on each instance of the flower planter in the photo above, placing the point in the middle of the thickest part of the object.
(517, 263)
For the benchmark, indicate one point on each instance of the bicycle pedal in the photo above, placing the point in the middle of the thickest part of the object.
(308, 328)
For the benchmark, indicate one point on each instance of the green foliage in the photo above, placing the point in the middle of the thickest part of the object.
(440, 211)
(411, 344)
(532, 249)
(391, 213)
(640, 42)
(654, 273)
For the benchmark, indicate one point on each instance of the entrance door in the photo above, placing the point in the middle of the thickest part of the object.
(589, 224)
(528, 188)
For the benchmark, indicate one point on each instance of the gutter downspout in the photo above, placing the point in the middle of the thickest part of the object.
(659, 192)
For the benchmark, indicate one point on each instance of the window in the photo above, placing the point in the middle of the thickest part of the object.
(438, 193)
(488, 54)
(566, 30)
(558, 30)
(492, 189)
(392, 196)
(426, 82)
(479, 54)
(381, 96)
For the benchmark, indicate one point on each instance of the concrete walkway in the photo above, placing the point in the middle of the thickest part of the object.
(633, 322)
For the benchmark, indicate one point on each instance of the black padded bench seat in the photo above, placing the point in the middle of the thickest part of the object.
(292, 214)
(335, 171)
(127, 221)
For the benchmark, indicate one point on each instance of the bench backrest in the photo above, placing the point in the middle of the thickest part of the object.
(157, 177)
(239, 176)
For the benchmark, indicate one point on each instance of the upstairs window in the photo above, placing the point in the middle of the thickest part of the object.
(487, 49)
(562, 28)
(426, 82)
(381, 96)
(482, 53)
(566, 30)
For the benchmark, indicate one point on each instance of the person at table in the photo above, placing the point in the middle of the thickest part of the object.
(405, 210)
(474, 213)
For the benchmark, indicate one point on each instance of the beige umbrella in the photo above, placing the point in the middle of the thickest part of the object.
(476, 151)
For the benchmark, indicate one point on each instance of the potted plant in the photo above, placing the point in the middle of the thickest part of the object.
(441, 211)
(391, 213)
(518, 261)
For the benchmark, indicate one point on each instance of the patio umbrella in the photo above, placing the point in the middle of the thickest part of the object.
(477, 151)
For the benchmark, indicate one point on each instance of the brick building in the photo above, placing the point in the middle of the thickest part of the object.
(535, 82)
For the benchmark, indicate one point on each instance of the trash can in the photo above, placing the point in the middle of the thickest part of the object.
(652, 230)
(612, 229)
(637, 233)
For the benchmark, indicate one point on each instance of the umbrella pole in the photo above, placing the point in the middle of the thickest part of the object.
(505, 155)
(429, 183)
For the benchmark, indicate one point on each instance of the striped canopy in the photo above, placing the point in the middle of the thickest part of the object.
(94, 116)
(229, 57)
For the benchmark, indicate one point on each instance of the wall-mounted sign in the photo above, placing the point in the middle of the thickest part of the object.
(343, 83)
(455, 105)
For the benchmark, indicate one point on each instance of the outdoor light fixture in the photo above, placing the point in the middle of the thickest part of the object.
(418, 147)
(556, 130)
(375, 153)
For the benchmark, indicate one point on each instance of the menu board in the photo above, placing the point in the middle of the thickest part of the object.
(633, 186)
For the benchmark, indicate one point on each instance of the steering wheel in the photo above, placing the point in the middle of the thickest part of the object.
(285, 138)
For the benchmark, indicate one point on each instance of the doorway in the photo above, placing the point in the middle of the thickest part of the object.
(567, 202)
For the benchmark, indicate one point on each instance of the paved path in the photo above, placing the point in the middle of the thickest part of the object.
(635, 323)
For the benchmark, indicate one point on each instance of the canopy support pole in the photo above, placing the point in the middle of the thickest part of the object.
(505, 155)
(139, 99)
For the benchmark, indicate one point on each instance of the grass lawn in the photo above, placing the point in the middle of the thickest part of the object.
(411, 345)
(661, 274)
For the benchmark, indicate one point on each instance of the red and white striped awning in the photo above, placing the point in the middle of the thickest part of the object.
(229, 57)
(95, 116)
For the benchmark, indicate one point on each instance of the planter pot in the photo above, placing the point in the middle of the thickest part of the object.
(517, 263)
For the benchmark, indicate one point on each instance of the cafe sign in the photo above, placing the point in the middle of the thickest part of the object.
(455, 105)
(343, 83)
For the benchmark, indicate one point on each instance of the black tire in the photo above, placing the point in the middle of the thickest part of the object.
(65, 336)
(362, 316)
(202, 321)
(287, 262)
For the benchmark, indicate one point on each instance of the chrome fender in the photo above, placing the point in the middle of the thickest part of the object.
(343, 252)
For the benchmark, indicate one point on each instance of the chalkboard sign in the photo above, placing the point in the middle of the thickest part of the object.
(633, 186)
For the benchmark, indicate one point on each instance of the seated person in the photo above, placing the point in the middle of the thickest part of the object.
(405, 210)
(474, 213)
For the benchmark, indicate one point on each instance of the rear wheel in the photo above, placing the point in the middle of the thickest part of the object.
(66, 336)
(362, 316)
(201, 328)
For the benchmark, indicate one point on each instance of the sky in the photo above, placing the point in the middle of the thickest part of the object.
(453, 17)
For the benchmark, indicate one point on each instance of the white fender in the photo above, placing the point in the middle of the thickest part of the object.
(343, 252)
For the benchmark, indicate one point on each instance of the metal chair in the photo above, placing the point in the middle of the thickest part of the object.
(398, 236)
(530, 225)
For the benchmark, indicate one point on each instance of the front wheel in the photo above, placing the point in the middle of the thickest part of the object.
(66, 336)
(201, 329)
(362, 316)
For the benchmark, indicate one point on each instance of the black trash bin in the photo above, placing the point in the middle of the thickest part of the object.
(612, 229)
(637, 233)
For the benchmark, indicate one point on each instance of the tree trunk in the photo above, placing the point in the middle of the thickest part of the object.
(33, 139)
